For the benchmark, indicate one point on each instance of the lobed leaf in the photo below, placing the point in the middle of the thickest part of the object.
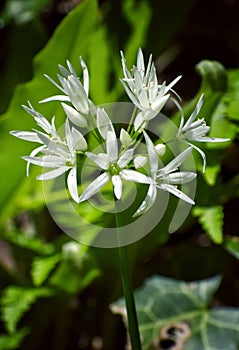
(211, 219)
(177, 312)
(16, 301)
(13, 341)
(42, 267)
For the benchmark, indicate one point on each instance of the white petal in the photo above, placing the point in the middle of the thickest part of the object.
(125, 70)
(140, 62)
(94, 187)
(77, 94)
(112, 146)
(72, 184)
(85, 76)
(104, 123)
(150, 68)
(33, 154)
(153, 156)
(131, 95)
(71, 68)
(74, 116)
(26, 135)
(78, 140)
(135, 176)
(176, 162)
(46, 161)
(117, 183)
(62, 98)
(139, 122)
(159, 103)
(53, 173)
(148, 201)
(125, 158)
(63, 70)
(195, 112)
(100, 159)
(211, 139)
(182, 177)
(53, 82)
(169, 87)
(140, 161)
(68, 136)
(176, 192)
(202, 154)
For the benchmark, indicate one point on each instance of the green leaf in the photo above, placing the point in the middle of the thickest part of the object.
(13, 341)
(75, 38)
(42, 266)
(231, 244)
(172, 310)
(211, 173)
(22, 240)
(211, 219)
(77, 279)
(214, 83)
(214, 76)
(16, 301)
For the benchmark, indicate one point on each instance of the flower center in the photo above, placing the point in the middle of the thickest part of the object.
(114, 169)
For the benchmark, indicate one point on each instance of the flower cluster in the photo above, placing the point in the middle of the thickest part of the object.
(119, 159)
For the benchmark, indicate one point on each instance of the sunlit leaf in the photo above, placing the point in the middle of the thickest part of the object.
(231, 244)
(77, 279)
(16, 301)
(13, 341)
(75, 39)
(41, 268)
(23, 241)
(211, 219)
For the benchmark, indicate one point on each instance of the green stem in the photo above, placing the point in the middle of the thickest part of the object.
(128, 293)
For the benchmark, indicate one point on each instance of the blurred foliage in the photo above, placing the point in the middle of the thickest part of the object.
(55, 293)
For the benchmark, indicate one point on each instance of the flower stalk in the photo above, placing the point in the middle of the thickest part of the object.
(128, 291)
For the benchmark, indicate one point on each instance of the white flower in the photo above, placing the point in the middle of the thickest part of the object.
(113, 165)
(143, 89)
(61, 157)
(195, 130)
(74, 91)
(49, 130)
(166, 178)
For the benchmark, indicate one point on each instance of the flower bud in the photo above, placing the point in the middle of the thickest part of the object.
(160, 149)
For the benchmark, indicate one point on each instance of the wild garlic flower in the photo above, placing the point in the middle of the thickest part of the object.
(59, 155)
(143, 89)
(196, 130)
(74, 92)
(121, 159)
(114, 165)
(49, 132)
(166, 178)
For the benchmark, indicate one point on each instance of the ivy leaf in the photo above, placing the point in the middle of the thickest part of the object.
(42, 266)
(16, 301)
(11, 342)
(174, 312)
(211, 219)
